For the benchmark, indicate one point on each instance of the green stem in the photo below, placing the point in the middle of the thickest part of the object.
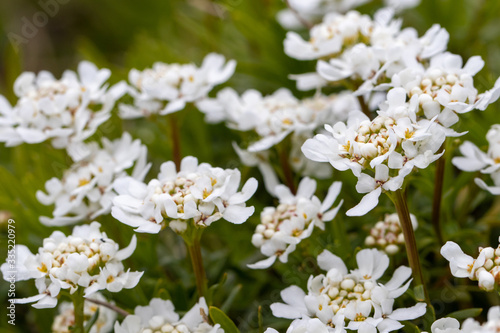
(109, 306)
(197, 262)
(438, 195)
(364, 106)
(399, 200)
(78, 304)
(176, 142)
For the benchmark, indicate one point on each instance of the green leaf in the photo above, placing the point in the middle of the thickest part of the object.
(92, 321)
(223, 320)
(467, 313)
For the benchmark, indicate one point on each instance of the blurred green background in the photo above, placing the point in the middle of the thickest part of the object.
(126, 34)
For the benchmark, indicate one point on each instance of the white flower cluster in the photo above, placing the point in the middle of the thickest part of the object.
(485, 268)
(66, 317)
(353, 300)
(275, 117)
(166, 88)
(445, 88)
(66, 111)
(380, 152)
(362, 50)
(283, 227)
(160, 317)
(387, 234)
(314, 10)
(451, 325)
(197, 191)
(86, 189)
(86, 259)
(476, 160)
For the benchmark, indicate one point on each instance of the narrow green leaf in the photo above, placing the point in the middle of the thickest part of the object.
(92, 321)
(466, 313)
(223, 320)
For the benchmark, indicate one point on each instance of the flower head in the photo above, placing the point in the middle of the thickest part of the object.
(283, 227)
(86, 189)
(197, 191)
(350, 300)
(65, 111)
(380, 152)
(87, 260)
(166, 88)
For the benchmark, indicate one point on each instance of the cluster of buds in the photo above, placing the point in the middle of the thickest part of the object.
(387, 234)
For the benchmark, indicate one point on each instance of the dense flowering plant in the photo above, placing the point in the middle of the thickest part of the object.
(360, 86)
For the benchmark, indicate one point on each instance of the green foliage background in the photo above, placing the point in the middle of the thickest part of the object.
(126, 34)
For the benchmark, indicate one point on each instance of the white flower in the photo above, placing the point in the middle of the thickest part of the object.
(445, 88)
(380, 152)
(199, 192)
(485, 269)
(476, 160)
(336, 32)
(275, 116)
(160, 316)
(283, 227)
(86, 259)
(362, 50)
(66, 316)
(68, 110)
(387, 234)
(86, 189)
(355, 300)
(166, 88)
